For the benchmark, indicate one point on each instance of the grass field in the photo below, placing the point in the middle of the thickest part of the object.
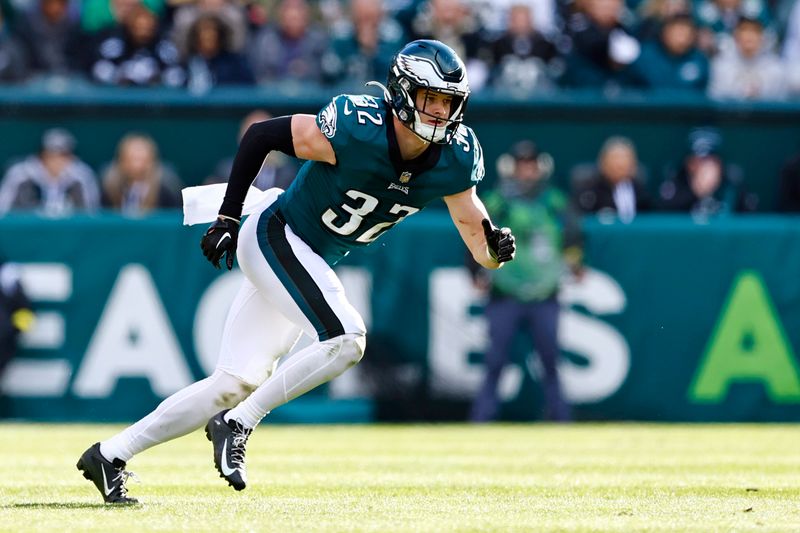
(422, 478)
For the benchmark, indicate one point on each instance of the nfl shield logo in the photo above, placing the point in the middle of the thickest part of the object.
(405, 177)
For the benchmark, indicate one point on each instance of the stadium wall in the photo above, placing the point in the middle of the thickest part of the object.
(674, 320)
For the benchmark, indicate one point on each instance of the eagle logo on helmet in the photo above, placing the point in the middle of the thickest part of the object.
(424, 71)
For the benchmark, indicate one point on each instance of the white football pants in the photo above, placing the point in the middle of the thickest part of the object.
(288, 289)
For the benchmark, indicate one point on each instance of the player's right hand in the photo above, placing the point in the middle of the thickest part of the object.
(221, 238)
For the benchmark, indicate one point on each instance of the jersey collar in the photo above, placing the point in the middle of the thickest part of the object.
(422, 163)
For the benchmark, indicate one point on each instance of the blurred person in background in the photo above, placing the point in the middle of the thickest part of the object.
(278, 169)
(211, 59)
(603, 45)
(134, 53)
(703, 185)
(613, 187)
(51, 35)
(789, 186)
(749, 71)
(230, 13)
(362, 49)
(653, 14)
(522, 59)
(453, 23)
(16, 316)
(524, 294)
(289, 49)
(100, 15)
(137, 182)
(13, 60)
(718, 20)
(672, 61)
(494, 16)
(52, 182)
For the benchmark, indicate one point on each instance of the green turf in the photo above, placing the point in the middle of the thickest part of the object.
(422, 478)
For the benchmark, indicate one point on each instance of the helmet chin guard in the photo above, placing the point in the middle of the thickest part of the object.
(427, 65)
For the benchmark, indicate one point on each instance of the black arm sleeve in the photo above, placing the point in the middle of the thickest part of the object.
(260, 139)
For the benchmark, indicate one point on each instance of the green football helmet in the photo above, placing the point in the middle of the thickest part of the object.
(432, 66)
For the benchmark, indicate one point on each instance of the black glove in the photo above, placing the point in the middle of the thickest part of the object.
(221, 238)
(499, 241)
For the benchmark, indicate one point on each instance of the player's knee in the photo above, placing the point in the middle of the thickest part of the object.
(352, 348)
(230, 389)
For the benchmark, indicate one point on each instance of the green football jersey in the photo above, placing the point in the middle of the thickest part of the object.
(335, 208)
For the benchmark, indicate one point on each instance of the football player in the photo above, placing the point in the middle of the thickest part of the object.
(371, 163)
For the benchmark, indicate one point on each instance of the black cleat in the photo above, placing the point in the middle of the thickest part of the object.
(229, 440)
(108, 476)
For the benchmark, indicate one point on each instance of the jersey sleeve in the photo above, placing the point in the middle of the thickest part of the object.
(329, 123)
(469, 164)
(349, 121)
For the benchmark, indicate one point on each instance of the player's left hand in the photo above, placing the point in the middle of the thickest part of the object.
(221, 238)
(500, 242)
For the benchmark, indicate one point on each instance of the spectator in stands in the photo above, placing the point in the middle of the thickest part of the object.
(290, 50)
(50, 34)
(134, 53)
(653, 14)
(524, 60)
(749, 71)
(136, 181)
(231, 14)
(100, 15)
(523, 295)
(703, 185)
(53, 182)
(718, 20)
(791, 50)
(453, 23)
(362, 49)
(602, 46)
(211, 60)
(16, 315)
(614, 187)
(493, 16)
(789, 188)
(13, 61)
(278, 170)
(673, 61)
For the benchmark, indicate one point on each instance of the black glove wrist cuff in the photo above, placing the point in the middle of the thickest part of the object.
(231, 209)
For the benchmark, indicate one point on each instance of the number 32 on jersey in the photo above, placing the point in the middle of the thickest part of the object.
(368, 204)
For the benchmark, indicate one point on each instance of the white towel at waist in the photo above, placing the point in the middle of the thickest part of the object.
(201, 204)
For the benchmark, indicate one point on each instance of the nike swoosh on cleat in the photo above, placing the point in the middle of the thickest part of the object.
(226, 469)
(226, 235)
(106, 490)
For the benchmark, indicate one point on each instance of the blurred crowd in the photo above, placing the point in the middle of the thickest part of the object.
(728, 49)
(53, 181)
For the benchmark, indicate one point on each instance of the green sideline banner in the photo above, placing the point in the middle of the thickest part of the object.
(674, 320)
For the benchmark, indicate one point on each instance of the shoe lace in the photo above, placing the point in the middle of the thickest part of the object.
(123, 476)
(238, 443)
